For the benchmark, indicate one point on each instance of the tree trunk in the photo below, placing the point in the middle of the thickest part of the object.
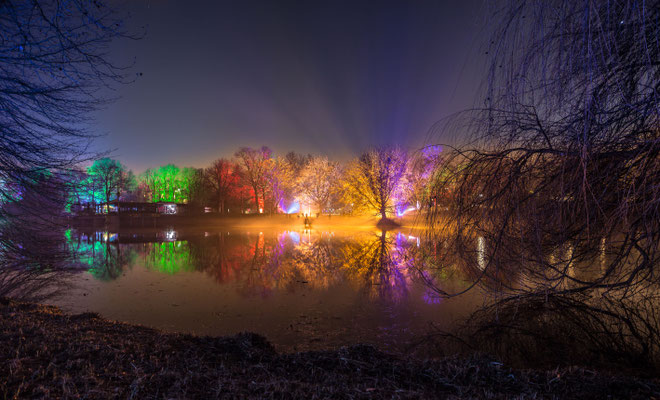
(256, 197)
(263, 197)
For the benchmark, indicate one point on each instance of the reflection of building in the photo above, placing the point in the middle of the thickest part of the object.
(167, 208)
(134, 207)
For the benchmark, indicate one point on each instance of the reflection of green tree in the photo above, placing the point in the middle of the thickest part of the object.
(110, 261)
(258, 264)
(105, 260)
(168, 257)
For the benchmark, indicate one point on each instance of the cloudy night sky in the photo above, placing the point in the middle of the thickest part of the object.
(331, 77)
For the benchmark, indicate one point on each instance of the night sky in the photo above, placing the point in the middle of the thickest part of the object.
(328, 77)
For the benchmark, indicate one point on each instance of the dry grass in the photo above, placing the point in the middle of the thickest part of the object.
(47, 354)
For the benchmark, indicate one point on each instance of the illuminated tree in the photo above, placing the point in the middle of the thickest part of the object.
(221, 179)
(147, 184)
(289, 169)
(318, 181)
(243, 192)
(296, 162)
(171, 183)
(279, 181)
(167, 183)
(373, 179)
(109, 178)
(256, 164)
(422, 169)
(191, 185)
(76, 187)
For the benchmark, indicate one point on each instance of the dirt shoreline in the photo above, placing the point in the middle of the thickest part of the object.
(46, 353)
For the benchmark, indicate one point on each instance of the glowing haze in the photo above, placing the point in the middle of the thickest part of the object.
(325, 77)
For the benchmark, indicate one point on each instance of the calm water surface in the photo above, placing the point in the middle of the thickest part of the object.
(302, 289)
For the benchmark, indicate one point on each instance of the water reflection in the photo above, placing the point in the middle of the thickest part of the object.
(377, 263)
(34, 266)
(380, 264)
(480, 262)
(303, 289)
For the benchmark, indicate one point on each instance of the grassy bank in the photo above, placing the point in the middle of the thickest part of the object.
(45, 353)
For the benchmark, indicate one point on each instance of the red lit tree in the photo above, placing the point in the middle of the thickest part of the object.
(221, 179)
(256, 164)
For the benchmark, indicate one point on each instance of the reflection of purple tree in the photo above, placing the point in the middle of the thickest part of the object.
(260, 263)
(381, 264)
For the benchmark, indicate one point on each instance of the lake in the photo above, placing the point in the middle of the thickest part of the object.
(302, 289)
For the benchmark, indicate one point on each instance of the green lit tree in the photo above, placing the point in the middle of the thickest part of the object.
(191, 186)
(167, 183)
(170, 183)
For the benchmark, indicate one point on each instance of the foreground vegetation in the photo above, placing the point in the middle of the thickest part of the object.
(46, 353)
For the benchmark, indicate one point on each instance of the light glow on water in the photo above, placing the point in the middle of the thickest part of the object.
(334, 287)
